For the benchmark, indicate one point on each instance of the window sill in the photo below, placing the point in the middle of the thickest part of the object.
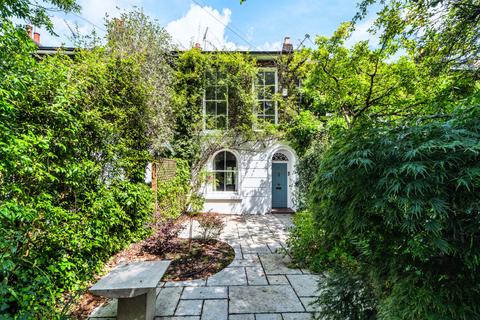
(222, 196)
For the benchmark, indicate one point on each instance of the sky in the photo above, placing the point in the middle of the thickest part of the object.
(253, 25)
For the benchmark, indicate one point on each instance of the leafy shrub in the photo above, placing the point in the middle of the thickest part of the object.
(308, 248)
(163, 238)
(304, 128)
(75, 136)
(211, 225)
(47, 250)
(345, 295)
(404, 203)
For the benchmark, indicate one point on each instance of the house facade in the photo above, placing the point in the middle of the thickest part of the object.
(251, 181)
(255, 178)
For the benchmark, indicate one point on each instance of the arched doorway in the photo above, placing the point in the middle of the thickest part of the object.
(280, 180)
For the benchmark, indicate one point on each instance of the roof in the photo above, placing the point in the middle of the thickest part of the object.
(259, 55)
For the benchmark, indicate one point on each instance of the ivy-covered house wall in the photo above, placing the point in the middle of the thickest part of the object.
(229, 112)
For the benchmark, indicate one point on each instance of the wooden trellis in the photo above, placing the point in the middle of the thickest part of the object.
(163, 170)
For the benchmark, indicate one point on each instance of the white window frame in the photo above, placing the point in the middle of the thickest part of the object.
(275, 71)
(204, 106)
(236, 172)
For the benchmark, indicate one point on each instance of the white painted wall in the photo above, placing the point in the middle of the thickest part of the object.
(254, 195)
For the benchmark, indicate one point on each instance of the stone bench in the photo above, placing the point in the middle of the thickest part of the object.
(134, 285)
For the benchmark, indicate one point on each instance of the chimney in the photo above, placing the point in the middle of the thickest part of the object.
(287, 45)
(36, 38)
(28, 28)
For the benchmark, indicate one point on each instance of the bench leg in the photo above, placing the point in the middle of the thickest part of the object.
(141, 307)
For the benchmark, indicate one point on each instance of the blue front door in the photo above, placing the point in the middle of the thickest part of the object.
(279, 185)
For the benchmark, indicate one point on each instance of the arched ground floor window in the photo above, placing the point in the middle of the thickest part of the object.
(225, 172)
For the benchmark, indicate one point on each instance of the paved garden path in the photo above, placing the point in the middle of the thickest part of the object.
(257, 285)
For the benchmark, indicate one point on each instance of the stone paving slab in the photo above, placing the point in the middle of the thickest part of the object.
(277, 264)
(256, 276)
(309, 303)
(268, 316)
(190, 283)
(243, 316)
(277, 279)
(297, 316)
(178, 318)
(234, 276)
(167, 300)
(106, 310)
(305, 285)
(189, 308)
(205, 293)
(263, 299)
(215, 310)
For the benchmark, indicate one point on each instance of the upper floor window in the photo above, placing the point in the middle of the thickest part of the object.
(215, 102)
(225, 171)
(266, 88)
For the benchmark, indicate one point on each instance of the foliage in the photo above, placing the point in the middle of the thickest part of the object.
(210, 225)
(302, 131)
(163, 238)
(134, 34)
(307, 167)
(343, 295)
(404, 202)
(360, 83)
(308, 249)
(33, 12)
(443, 33)
(172, 195)
(74, 140)
(193, 68)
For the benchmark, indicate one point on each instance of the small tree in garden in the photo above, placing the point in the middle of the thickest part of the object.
(211, 225)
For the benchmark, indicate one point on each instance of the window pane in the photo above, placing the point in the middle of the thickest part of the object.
(270, 78)
(210, 93)
(270, 119)
(260, 78)
(221, 93)
(231, 161)
(221, 122)
(221, 108)
(230, 181)
(210, 122)
(219, 162)
(269, 92)
(260, 108)
(210, 108)
(261, 93)
(219, 184)
(269, 108)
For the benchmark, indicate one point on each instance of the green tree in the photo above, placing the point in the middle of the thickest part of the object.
(360, 83)
(446, 33)
(35, 12)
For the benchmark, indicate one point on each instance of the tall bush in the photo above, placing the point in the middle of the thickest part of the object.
(404, 202)
(74, 141)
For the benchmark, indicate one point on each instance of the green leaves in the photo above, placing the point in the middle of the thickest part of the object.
(405, 200)
(75, 137)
